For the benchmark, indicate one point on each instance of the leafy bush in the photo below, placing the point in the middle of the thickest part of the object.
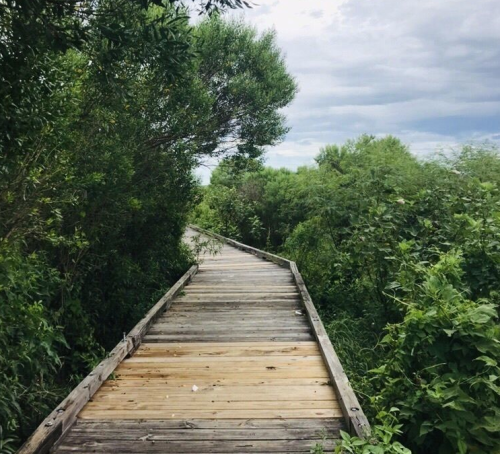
(442, 365)
(391, 244)
(30, 344)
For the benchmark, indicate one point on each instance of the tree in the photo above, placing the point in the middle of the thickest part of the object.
(104, 123)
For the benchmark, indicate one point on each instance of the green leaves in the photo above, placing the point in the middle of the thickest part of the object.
(482, 314)
(382, 440)
(451, 390)
(402, 257)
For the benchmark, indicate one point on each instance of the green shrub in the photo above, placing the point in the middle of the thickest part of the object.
(442, 367)
(390, 243)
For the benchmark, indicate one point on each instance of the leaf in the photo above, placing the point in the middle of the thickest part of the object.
(487, 360)
(345, 436)
(483, 314)
(425, 428)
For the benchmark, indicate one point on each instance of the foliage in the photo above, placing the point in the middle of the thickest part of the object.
(381, 440)
(442, 364)
(107, 108)
(29, 342)
(390, 245)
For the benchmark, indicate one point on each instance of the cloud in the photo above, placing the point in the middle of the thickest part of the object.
(426, 71)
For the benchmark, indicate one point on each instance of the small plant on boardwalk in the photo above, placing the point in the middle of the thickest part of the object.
(381, 441)
(203, 245)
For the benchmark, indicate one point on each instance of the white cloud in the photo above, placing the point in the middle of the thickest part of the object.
(424, 70)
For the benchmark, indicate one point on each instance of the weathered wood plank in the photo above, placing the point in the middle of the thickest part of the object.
(79, 435)
(210, 414)
(160, 382)
(223, 424)
(198, 447)
(233, 393)
(227, 350)
(227, 338)
(356, 419)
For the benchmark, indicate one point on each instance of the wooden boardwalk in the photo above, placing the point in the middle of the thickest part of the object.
(232, 363)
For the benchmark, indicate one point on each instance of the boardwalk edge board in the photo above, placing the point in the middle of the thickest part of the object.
(55, 426)
(356, 421)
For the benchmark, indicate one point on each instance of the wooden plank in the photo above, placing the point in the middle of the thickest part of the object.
(211, 318)
(217, 345)
(195, 446)
(80, 435)
(236, 296)
(233, 265)
(236, 301)
(356, 419)
(212, 363)
(206, 424)
(200, 288)
(223, 331)
(227, 338)
(210, 414)
(275, 372)
(223, 350)
(183, 325)
(216, 405)
(246, 305)
(222, 360)
(235, 392)
(248, 314)
(255, 274)
(283, 279)
(54, 426)
(159, 382)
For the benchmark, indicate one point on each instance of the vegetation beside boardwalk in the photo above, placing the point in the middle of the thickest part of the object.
(107, 108)
(402, 258)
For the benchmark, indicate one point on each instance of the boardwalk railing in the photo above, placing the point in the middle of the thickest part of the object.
(356, 421)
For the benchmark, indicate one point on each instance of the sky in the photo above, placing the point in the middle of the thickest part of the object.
(426, 71)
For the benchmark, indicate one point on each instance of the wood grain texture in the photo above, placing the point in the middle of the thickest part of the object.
(197, 436)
